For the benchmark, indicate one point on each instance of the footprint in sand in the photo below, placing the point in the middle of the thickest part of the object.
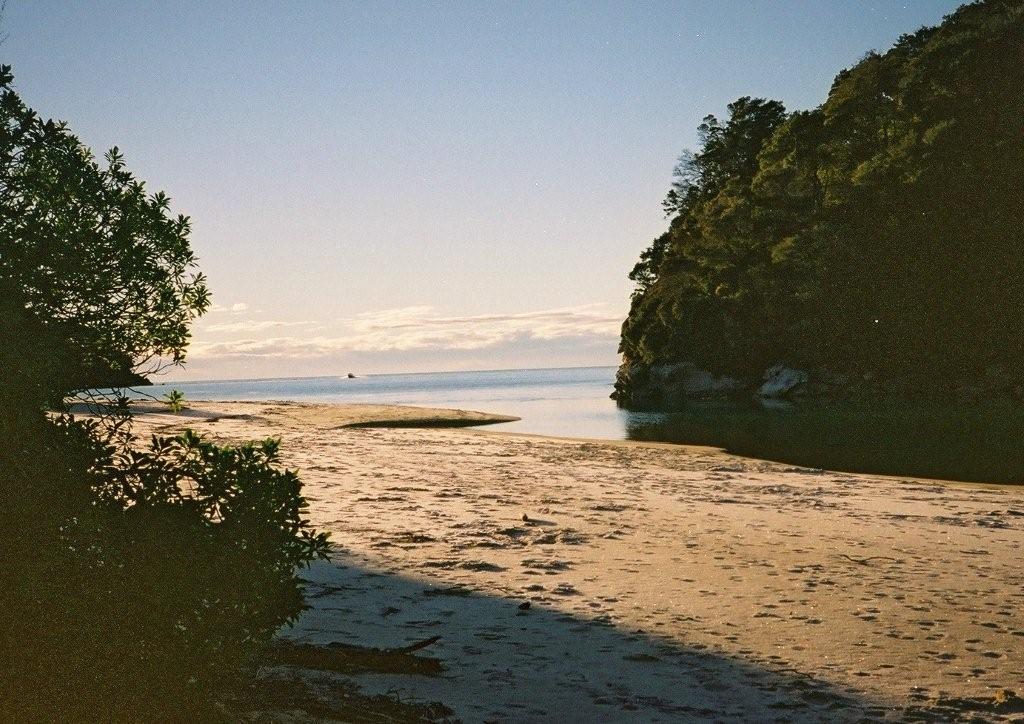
(550, 564)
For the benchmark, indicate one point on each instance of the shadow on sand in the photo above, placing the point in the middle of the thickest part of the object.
(504, 663)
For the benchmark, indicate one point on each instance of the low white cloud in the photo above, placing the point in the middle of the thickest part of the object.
(236, 308)
(253, 325)
(409, 329)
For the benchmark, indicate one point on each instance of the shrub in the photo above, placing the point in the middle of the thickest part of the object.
(175, 401)
(138, 579)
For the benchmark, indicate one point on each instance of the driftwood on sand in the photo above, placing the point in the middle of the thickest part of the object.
(348, 659)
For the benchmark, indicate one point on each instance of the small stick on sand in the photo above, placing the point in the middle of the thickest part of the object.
(867, 561)
(414, 647)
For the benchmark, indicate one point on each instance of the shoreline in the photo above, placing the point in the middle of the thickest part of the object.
(724, 452)
(664, 581)
(356, 415)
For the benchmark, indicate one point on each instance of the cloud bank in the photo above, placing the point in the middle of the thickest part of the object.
(410, 329)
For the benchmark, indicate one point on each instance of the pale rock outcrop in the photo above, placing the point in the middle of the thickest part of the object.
(780, 381)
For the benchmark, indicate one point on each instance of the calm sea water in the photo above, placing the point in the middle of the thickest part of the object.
(568, 402)
(948, 441)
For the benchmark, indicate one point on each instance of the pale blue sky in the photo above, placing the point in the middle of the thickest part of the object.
(418, 186)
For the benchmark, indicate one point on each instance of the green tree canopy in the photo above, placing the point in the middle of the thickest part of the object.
(878, 233)
(88, 258)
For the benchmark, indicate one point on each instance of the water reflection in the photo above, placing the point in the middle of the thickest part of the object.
(980, 443)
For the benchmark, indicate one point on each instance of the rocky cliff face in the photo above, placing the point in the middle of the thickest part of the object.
(639, 386)
(670, 386)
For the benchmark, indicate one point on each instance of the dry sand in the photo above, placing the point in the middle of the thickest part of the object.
(666, 582)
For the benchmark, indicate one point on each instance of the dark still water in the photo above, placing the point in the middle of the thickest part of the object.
(956, 442)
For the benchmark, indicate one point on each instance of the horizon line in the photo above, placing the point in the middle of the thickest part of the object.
(381, 374)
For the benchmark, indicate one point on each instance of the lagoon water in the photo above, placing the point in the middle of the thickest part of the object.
(934, 440)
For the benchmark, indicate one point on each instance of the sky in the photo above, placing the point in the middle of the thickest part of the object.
(418, 186)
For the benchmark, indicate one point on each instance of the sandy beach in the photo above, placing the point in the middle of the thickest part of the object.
(664, 582)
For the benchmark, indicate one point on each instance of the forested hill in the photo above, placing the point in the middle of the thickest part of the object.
(873, 242)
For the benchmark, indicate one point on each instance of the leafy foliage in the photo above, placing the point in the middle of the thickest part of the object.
(876, 234)
(138, 578)
(99, 261)
(146, 578)
(175, 401)
(237, 492)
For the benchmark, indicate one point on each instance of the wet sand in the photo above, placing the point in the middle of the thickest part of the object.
(665, 582)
